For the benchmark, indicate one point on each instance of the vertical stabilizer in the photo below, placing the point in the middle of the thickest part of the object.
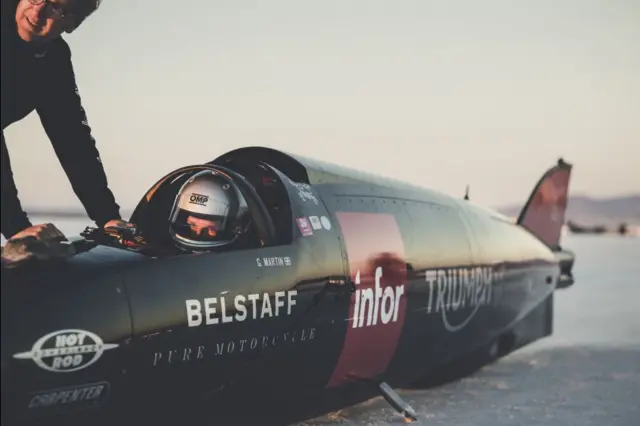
(544, 213)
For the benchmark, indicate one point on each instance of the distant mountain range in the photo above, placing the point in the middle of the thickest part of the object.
(588, 211)
(583, 210)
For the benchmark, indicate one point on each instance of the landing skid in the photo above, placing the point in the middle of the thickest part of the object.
(399, 404)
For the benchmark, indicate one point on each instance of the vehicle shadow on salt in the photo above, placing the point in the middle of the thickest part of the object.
(585, 385)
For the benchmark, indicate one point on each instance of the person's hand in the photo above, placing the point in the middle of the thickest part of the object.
(118, 224)
(38, 241)
(46, 232)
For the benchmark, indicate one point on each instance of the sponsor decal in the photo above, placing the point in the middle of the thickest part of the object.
(315, 222)
(320, 223)
(326, 223)
(198, 199)
(305, 192)
(65, 351)
(80, 397)
(378, 306)
(254, 306)
(231, 347)
(459, 293)
(304, 226)
(377, 309)
(271, 261)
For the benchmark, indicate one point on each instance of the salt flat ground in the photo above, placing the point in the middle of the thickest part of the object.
(587, 373)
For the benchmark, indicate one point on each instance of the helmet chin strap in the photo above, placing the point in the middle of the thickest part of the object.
(189, 246)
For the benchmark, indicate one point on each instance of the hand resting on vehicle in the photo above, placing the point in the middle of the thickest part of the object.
(38, 241)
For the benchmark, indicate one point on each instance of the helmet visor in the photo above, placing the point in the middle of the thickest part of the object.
(200, 227)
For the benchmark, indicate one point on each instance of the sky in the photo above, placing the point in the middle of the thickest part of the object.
(439, 93)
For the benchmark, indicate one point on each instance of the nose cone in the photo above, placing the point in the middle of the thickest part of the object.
(64, 325)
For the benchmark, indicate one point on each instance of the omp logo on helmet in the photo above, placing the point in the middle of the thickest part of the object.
(199, 199)
(65, 351)
(377, 308)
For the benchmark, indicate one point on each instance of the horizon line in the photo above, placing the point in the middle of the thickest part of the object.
(80, 212)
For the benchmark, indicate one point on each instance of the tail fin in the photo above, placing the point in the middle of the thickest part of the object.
(544, 213)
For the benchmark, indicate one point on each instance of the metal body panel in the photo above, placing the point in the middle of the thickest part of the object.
(367, 280)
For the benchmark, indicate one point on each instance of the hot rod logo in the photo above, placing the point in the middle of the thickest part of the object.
(65, 351)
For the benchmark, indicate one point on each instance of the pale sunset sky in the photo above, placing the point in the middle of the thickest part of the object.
(440, 93)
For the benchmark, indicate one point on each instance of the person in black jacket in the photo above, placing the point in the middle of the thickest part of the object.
(38, 74)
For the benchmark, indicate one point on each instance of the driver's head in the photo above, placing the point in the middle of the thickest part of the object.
(44, 20)
(209, 212)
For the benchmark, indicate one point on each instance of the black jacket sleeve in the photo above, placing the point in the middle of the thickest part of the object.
(65, 122)
(14, 219)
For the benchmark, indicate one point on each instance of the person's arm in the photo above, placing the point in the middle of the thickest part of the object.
(14, 219)
(65, 122)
